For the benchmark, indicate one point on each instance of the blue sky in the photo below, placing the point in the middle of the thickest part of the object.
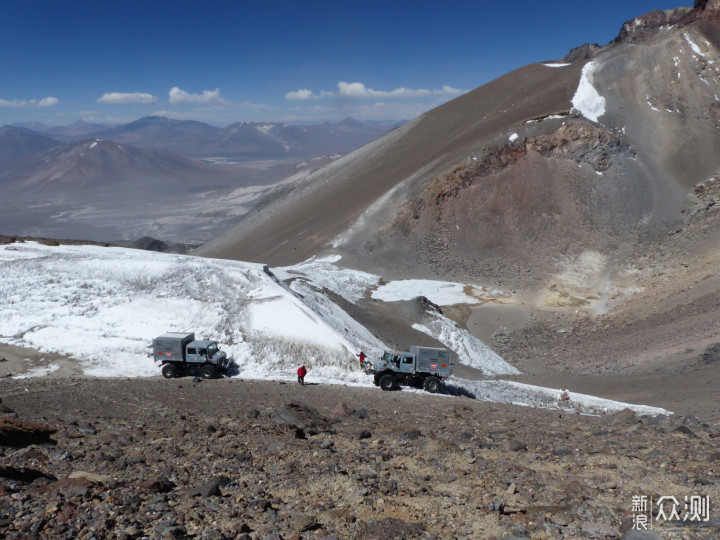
(270, 60)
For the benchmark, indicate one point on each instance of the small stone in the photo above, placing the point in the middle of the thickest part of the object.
(156, 485)
(712, 354)
(92, 477)
(411, 435)
(211, 489)
(360, 413)
(304, 523)
(641, 535)
(515, 446)
(391, 528)
(170, 529)
(626, 416)
(341, 410)
(685, 431)
(562, 450)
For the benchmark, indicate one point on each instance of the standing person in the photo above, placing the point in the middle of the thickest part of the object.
(302, 371)
(362, 356)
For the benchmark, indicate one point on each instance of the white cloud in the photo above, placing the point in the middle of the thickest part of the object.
(121, 98)
(19, 103)
(208, 97)
(300, 95)
(357, 90)
(48, 102)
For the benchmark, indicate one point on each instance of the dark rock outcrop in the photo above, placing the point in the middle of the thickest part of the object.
(20, 433)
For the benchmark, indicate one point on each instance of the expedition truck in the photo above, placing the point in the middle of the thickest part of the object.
(180, 354)
(421, 367)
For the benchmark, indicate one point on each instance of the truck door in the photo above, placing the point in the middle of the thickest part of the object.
(407, 364)
(191, 354)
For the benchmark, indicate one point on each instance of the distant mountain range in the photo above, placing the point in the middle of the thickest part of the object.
(242, 141)
(177, 180)
(83, 166)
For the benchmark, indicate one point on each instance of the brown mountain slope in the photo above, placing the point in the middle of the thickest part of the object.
(497, 186)
(311, 213)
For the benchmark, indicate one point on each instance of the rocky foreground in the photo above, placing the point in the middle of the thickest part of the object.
(155, 458)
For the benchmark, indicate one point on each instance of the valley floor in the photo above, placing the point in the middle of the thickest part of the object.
(232, 458)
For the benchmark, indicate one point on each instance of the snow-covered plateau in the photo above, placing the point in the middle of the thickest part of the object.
(102, 306)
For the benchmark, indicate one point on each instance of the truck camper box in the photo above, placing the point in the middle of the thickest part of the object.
(171, 346)
(432, 360)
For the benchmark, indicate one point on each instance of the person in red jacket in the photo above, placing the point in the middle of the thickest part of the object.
(302, 371)
(362, 356)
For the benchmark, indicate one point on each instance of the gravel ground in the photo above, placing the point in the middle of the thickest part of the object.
(230, 458)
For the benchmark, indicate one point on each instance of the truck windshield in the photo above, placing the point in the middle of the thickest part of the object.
(212, 349)
(387, 356)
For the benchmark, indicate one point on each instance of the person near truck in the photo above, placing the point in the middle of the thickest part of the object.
(362, 356)
(302, 371)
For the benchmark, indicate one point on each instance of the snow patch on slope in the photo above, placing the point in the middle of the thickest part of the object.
(442, 293)
(470, 350)
(693, 45)
(587, 100)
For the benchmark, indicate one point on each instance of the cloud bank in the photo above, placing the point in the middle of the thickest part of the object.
(357, 90)
(208, 97)
(120, 98)
(19, 103)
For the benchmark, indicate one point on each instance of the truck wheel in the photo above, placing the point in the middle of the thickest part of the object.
(432, 385)
(169, 371)
(387, 382)
(207, 372)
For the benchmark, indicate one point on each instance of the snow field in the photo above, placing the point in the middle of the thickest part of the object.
(103, 307)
